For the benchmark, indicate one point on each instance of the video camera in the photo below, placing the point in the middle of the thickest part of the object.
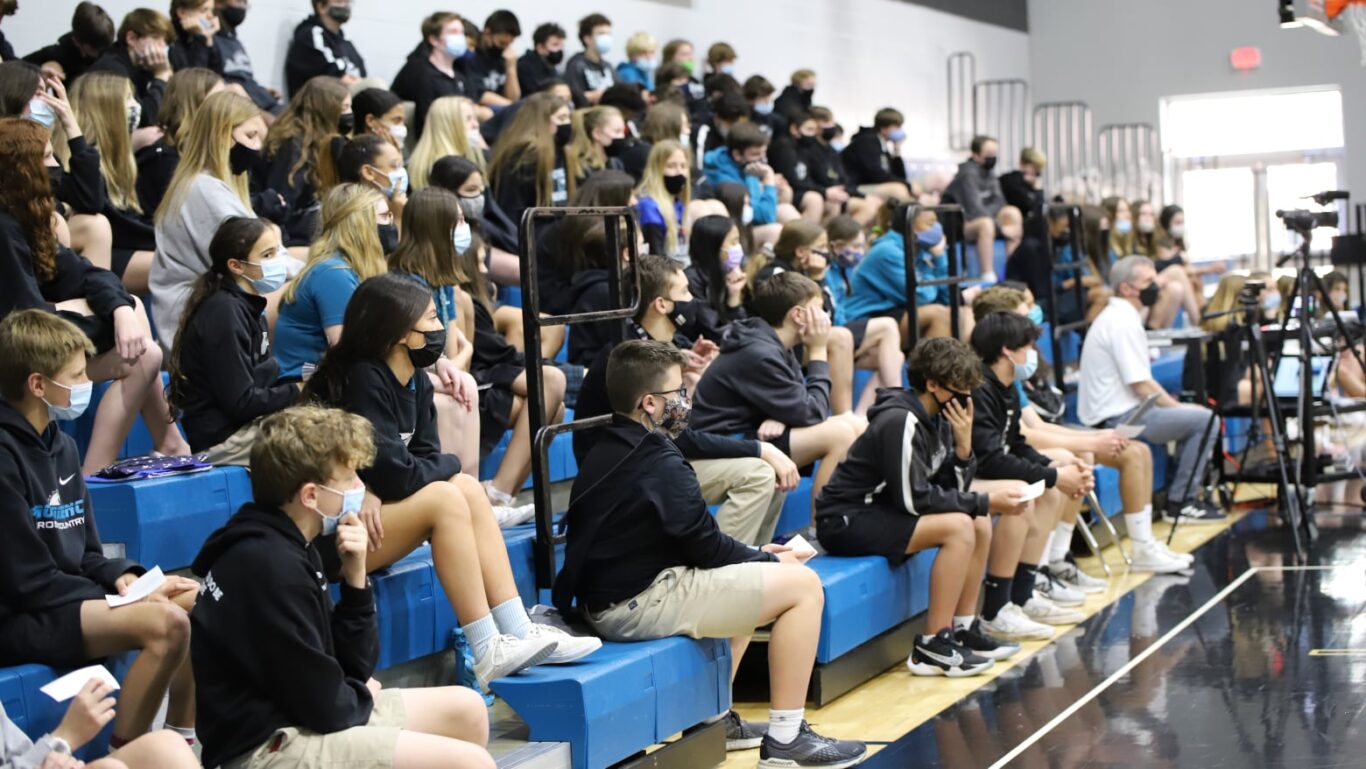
(1301, 220)
(1250, 295)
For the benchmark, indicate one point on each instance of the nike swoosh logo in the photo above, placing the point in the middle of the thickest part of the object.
(66, 480)
(954, 661)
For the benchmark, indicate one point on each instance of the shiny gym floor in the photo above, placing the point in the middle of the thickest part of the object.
(1249, 662)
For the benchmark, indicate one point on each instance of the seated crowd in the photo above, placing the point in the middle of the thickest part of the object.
(318, 270)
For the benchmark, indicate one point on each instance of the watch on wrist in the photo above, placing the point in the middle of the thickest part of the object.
(58, 745)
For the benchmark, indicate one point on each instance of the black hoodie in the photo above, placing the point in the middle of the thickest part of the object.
(148, 90)
(903, 463)
(420, 82)
(1001, 450)
(591, 291)
(50, 551)
(66, 53)
(315, 51)
(269, 650)
(866, 162)
(639, 482)
(407, 448)
(756, 378)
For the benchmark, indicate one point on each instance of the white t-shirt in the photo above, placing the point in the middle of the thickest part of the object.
(1113, 359)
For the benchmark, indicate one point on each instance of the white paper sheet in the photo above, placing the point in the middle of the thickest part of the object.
(140, 589)
(799, 545)
(1032, 491)
(69, 685)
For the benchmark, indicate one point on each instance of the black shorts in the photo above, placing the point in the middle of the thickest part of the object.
(49, 637)
(868, 532)
(859, 328)
(119, 260)
(495, 416)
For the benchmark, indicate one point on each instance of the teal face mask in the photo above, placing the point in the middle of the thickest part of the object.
(80, 400)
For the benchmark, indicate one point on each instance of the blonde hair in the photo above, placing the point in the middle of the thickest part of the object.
(36, 342)
(1225, 298)
(652, 186)
(204, 143)
(444, 133)
(347, 227)
(997, 299)
(1122, 245)
(306, 444)
(640, 43)
(1033, 156)
(583, 155)
(185, 91)
(99, 100)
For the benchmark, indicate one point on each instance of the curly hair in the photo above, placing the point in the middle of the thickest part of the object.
(26, 194)
(945, 361)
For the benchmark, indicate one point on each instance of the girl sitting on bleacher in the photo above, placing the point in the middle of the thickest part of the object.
(599, 136)
(185, 92)
(664, 196)
(452, 129)
(528, 165)
(298, 161)
(415, 492)
(716, 279)
(223, 377)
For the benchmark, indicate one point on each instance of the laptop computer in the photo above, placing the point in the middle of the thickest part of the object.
(1287, 381)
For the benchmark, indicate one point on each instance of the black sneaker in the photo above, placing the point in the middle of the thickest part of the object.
(940, 655)
(1194, 513)
(975, 640)
(741, 734)
(809, 749)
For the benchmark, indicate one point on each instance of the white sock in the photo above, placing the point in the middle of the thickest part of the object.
(480, 633)
(1061, 541)
(783, 725)
(186, 733)
(1047, 548)
(512, 618)
(1140, 524)
(963, 623)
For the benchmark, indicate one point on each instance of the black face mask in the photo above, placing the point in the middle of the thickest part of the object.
(339, 13)
(962, 398)
(617, 147)
(675, 184)
(685, 313)
(563, 133)
(554, 57)
(242, 158)
(388, 238)
(232, 15)
(807, 142)
(1148, 296)
(829, 134)
(434, 343)
(346, 123)
(989, 162)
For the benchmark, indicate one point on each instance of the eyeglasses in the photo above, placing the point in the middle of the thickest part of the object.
(681, 392)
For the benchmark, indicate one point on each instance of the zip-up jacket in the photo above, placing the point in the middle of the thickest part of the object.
(977, 190)
(314, 50)
(1001, 450)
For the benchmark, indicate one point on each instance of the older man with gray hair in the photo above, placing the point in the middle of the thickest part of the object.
(1117, 376)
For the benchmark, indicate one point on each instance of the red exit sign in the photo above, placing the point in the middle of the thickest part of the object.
(1245, 59)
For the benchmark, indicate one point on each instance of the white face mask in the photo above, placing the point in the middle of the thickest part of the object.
(399, 132)
(1177, 230)
(747, 214)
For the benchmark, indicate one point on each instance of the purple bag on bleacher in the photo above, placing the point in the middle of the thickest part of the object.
(141, 468)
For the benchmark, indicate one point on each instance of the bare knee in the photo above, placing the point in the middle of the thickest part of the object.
(554, 382)
(960, 530)
(449, 499)
(981, 527)
(169, 632)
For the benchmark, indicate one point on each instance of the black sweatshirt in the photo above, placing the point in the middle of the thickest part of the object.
(710, 321)
(756, 378)
(228, 368)
(583, 75)
(268, 647)
(157, 163)
(407, 449)
(867, 162)
(191, 50)
(296, 187)
(996, 440)
(422, 83)
(591, 291)
(315, 51)
(694, 444)
(64, 52)
(76, 278)
(82, 184)
(636, 509)
(784, 157)
(903, 463)
(148, 90)
(515, 189)
(824, 165)
(50, 550)
(533, 71)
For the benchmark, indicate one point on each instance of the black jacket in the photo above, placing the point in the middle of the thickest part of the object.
(756, 378)
(824, 166)
(515, 190)
(50, 550)
(64, 52)
(694, 444)
(148, 90)
(495, 361)
(783, 155)
(996, 440)
(157, 163)
(269, 649)
(422, 83)
(315, 51)
(487, 69)
(407, 448)
(301, 197)
(533, 71)
(792, 101)
(636, 509)
(590, 291)
(584, 75)
(81, 186)
(229, 372)
(552, 281)
(904, 462)
(191, 50)
(76, 278)
(867, 163)
(709, 321)
(237, 69)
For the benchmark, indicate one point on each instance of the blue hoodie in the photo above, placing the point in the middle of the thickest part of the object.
(720, 167)
(880, 279)
(629, 72)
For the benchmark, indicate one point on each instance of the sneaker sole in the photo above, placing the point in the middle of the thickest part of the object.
(1063, 601)
(1193, 521)
(1175, 568)
(1057, 621)
(1000, 653)
(790, 763)
(748, 743)
(551, 660)
(1033, 635)
(531, 661)
(927, 669)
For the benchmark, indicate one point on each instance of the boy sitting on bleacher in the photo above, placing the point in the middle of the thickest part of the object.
(53, 573)
(900, 492)
(747, 478)
(756, 387)
(284, 675)
(645, 559)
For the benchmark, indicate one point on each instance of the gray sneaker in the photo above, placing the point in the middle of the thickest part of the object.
(741, 734)
(812, 750)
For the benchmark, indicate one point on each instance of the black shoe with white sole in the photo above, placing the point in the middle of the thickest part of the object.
(1194, 513)
(809, 750)
(741, 734)
(940, 655)
(976, 640)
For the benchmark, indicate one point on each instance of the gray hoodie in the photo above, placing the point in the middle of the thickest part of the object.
(17, 751)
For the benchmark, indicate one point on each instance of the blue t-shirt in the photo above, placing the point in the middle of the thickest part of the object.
(443, 297)
(319, 301)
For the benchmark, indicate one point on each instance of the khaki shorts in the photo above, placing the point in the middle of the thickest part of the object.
(236, 449)
(699, 603)
(369, 745)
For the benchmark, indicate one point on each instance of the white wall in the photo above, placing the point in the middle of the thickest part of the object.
(1123, 57)
(868, 53)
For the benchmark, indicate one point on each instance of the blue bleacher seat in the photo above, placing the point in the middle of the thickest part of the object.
(510, 296)
(796, 513)
(164, 521)
(865, 597)
(139, 440)
(563, 466)
(1168, 367)
(1107, 490)
(998, 260)
(624, 698)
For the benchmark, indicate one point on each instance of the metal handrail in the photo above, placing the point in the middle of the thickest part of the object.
(952, 218)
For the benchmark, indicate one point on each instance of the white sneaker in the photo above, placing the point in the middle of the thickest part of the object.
(1152, 557)
(1055, 590)
(568, 648)
(1041, 609)
(1073, 576)
(508, 516)
(508, 654)
(1011, 622)
(1185, 558)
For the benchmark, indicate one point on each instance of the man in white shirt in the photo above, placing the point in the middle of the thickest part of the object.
(1116, 376)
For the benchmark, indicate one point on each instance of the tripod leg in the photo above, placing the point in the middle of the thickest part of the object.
(1190, 484)
(1110, 527)
(1091, 538)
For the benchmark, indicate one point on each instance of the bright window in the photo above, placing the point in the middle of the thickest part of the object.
(1220, 206)
(1252, 123)
(1286, 187)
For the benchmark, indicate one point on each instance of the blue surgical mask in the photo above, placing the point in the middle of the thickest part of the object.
(931, 237)
(1271, 303)
(80, 400)
(763, 107)
(839, 145)
(1124, 226)
(646, 63)
(727, 69)
(1023, 371)
(274, 273)
(747, 214)
(352, 501)
(603, 43)
(897, 135)
(462, 238)
(455, 45)
(398, 182)
(40, 113)
(1035, 315)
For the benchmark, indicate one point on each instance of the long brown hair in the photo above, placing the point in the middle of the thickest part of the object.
(1122, 245)
(427, 248)
(311, 118)
(185, 92)
(1145, 243)
(584, 155)
(26, 194)
(528, 141)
